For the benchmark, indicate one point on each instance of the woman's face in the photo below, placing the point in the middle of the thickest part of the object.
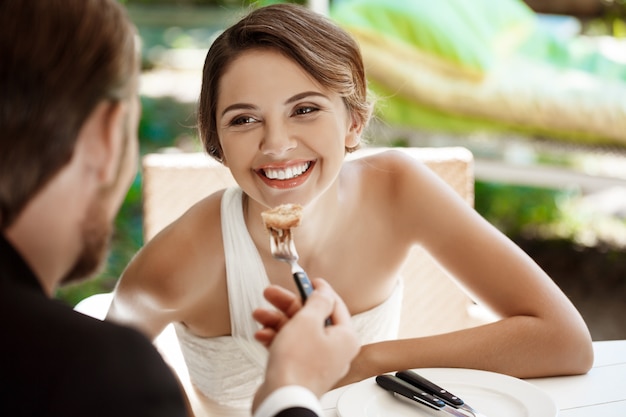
(283, 135)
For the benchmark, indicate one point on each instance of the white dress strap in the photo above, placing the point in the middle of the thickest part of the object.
(246, 276)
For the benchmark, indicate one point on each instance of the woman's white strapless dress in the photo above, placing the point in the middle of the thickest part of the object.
(228, 369)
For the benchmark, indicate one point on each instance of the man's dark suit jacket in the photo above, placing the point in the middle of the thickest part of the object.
(58, 362)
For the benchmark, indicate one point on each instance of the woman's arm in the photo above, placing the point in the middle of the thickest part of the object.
(169, 275)
(540, 332)
(141, 299)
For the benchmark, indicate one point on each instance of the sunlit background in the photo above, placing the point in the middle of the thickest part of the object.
(547, 137)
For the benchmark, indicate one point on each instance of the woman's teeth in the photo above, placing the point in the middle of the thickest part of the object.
(287, 173)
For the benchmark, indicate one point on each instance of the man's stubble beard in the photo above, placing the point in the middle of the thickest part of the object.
(97, 230)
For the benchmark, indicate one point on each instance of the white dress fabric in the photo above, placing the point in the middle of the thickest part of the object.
(228, 369)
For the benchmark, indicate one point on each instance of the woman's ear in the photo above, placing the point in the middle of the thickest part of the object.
(353, 136)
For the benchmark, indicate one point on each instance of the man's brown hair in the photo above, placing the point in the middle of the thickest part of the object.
(58, 60)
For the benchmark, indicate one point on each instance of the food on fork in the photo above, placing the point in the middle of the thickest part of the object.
(278, 222)
(282, 217)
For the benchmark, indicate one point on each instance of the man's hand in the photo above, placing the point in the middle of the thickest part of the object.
(303, 351)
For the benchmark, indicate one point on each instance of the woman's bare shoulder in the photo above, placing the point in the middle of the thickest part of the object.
(407, 187)
(187, 253)
(392, 161)
(390, 171)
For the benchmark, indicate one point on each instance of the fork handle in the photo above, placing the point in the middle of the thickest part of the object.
(304, 284)
(305, 287)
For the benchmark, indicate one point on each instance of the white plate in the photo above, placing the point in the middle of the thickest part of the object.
(494, 395)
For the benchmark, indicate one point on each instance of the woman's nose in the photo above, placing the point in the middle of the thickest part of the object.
(277, 141)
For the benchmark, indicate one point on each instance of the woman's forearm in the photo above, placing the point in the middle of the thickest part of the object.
(520, 346)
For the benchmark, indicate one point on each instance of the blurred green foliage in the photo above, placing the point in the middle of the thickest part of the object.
(614, 17)
(516, 209)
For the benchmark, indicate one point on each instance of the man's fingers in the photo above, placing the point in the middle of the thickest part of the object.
(284, 300)
(265, 336)
(324, 302)
(328, 303)
(269, 318)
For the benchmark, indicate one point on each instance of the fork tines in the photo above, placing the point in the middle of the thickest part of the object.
(281, 243)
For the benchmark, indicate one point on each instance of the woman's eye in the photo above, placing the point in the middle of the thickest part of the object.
(242, 120)
(305, 110)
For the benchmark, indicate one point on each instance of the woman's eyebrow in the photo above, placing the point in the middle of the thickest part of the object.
(299, 96)
(238, 106)
(305, 94)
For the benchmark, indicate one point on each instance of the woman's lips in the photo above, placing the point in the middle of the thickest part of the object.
(286, 176)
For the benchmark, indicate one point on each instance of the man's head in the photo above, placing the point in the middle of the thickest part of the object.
(64, 62)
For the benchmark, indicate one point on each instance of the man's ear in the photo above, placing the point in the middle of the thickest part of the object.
(102, 136)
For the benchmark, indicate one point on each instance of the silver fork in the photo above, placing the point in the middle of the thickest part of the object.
(284, 249)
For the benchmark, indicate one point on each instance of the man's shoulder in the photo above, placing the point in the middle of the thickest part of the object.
(50, 331)
(74, 363)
